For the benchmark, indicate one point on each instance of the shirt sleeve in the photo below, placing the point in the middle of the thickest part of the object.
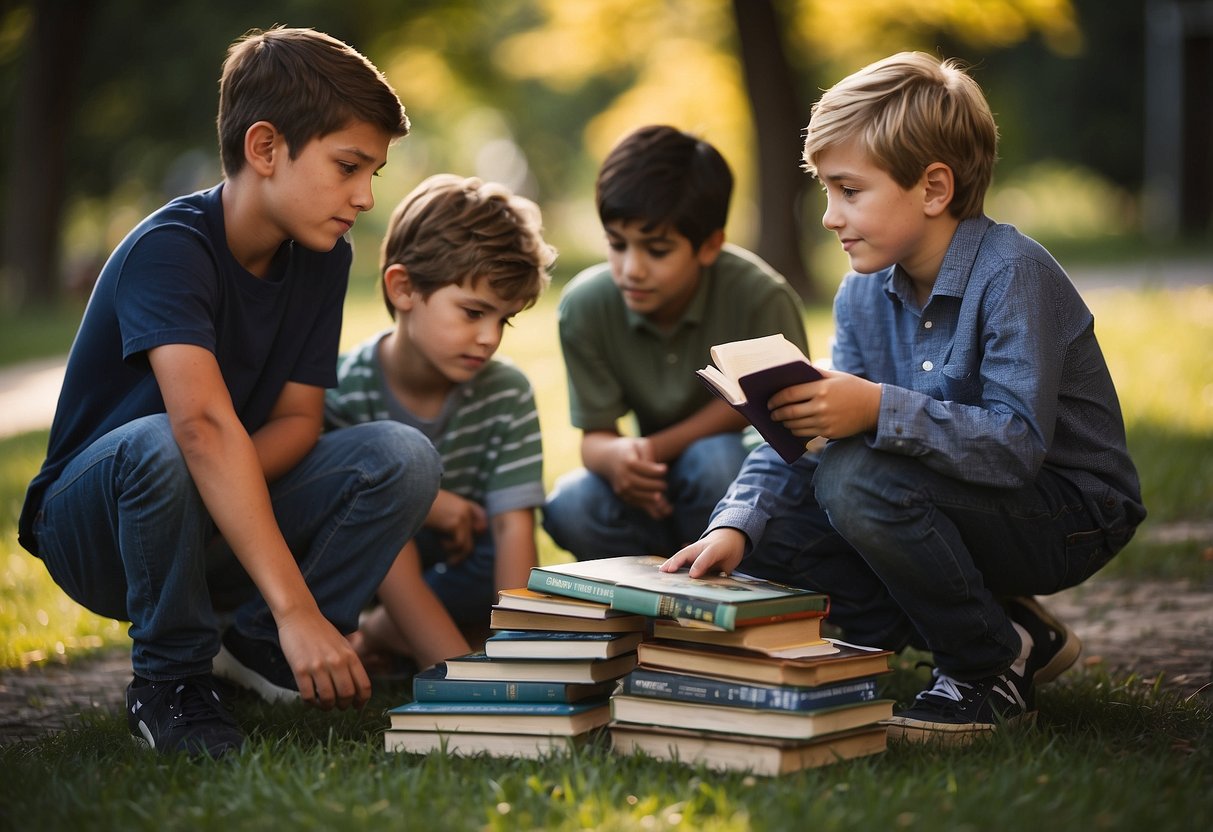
(167, 294)
(993, 421)
(846, 356)
(765, 487)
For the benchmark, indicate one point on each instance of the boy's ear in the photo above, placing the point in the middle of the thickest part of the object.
(261, 143)
(399, 287)
(938, 189)
(710, 249)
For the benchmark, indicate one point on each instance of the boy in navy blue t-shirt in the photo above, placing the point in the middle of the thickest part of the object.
(187, 442)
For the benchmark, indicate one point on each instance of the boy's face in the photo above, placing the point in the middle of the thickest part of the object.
(877, 221)
(456, 330)
(315, 198)
(656, 271)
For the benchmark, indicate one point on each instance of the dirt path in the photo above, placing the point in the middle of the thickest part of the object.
(1148, 628)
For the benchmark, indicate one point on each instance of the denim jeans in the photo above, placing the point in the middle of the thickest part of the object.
(124, 532)
(468, 588)
(584, 516)
(912, 557)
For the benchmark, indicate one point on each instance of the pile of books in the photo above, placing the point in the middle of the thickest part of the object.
(741, 678)
(541, 684)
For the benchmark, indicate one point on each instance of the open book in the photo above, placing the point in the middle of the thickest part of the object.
(749, 372)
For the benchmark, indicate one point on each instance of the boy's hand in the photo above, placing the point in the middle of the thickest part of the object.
(720, 550)
(327, 670)
(458, 521)
(636, 477)
(837, 406)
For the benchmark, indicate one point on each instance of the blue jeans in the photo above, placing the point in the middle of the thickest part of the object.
(911, 557)
(124, 532)
(467, 589)
(584, 516)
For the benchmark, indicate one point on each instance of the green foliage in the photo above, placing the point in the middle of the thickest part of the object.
(1106, 753)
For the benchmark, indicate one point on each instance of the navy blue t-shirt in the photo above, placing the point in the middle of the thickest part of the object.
(173, 280)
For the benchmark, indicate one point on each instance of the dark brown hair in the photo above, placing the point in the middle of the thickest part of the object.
(662, 176)
(306, 83)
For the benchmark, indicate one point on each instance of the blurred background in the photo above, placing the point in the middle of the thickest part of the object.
(1104, 108)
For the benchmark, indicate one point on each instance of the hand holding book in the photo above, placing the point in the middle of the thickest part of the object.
(748, 373)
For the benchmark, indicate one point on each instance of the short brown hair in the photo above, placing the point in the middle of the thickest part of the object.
(306, 83)
(661, 176)
(907, 111)
(452, 229)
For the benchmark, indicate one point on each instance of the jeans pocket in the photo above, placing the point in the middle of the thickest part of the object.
(1086, 553)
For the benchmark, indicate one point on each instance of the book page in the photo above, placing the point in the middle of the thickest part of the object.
(738, 358)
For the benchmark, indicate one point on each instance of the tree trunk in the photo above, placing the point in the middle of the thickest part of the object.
(35, 179)
(778, 121)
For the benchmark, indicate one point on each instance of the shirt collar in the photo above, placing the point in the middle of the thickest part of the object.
(957, 264)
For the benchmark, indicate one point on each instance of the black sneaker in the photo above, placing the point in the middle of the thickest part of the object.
(1055, 646)
(956, 712)
(182, 715)
(256, 665)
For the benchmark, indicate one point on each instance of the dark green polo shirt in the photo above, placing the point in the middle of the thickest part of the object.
(619, 363)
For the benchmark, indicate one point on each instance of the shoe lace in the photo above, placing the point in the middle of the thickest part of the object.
(196, 701)
(945, 686)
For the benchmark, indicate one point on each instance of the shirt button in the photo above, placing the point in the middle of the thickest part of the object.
(671, 358)
(928, 366)
(927, 324)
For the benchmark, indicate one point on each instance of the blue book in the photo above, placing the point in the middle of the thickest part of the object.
(556, 644)
(684, 687)
(501, 717)
(431, 685)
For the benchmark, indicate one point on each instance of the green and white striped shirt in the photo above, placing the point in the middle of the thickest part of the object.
(487, 433)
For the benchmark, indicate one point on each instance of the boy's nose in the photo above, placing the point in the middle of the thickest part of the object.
(831, 219)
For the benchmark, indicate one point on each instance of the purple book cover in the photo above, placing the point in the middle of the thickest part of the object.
(758, 387)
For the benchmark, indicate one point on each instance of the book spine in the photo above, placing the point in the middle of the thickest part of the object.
(661, 605)
(658, 685)
(455, 690)
(570, 587)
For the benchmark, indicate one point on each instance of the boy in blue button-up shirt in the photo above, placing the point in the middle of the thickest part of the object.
(977, 452)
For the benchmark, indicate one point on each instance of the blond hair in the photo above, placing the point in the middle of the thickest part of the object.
(907, 111)
(452, 229)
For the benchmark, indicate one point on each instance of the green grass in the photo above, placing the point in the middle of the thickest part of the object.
(1108, 754)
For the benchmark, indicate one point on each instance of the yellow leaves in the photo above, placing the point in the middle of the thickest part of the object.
(854, 33)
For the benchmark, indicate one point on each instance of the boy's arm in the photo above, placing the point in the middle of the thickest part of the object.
(226, 468)
(292, 429)
(417, 613)
(713, 418)
(514, 545)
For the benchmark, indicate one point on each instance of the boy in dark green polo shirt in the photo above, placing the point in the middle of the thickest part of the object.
(634, 330)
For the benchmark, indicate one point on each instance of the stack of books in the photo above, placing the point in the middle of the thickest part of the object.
(541, 684)
(741, 678)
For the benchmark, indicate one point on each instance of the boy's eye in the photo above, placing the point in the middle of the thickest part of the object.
(848, 192)
(658, 253)
(473, 314)
(616, 245)
(348, 168)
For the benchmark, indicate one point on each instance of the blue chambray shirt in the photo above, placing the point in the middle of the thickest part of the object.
(997, 375)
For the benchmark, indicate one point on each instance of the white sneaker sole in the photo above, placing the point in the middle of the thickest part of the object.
(226, 666)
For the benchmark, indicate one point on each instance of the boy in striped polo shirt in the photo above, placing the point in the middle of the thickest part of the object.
(461, 257)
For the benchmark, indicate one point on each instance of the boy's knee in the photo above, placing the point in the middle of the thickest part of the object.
(850, 475)
(149, 453)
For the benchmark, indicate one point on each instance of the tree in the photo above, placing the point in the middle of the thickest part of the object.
(36, 174)
(778, 117)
